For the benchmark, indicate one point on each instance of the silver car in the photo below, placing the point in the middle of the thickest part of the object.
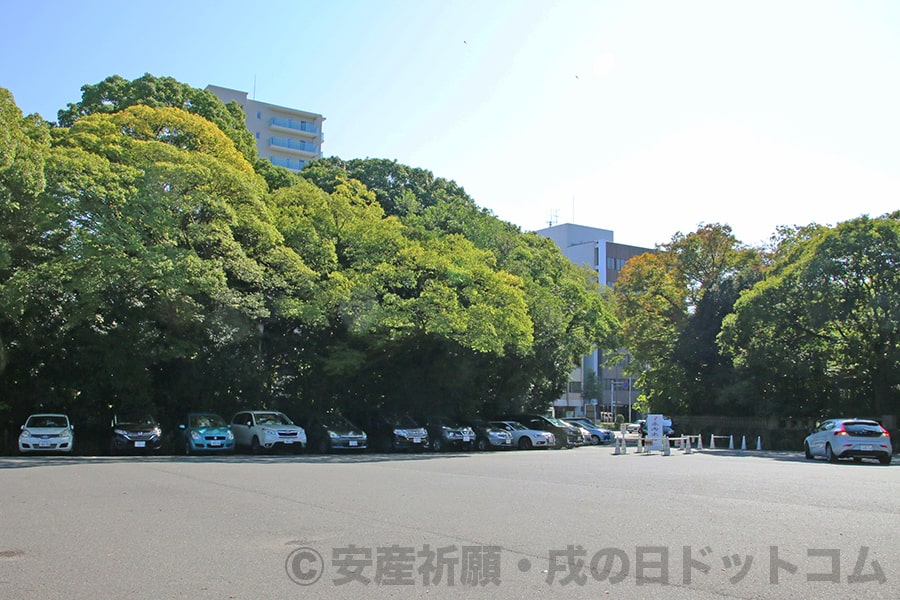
(849, 438)
(46, 433)
(524, 438)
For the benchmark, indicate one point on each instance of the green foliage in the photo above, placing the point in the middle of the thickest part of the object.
(671, 304)
(820, 334)
(149, 258)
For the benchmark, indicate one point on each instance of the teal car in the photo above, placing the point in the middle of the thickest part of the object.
(205, 432)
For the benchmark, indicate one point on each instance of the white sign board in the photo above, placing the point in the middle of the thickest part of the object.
(655, 431)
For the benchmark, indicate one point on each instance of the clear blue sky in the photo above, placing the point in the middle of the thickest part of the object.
(646, 118)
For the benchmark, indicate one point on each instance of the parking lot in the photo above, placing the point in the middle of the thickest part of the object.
(569, 523)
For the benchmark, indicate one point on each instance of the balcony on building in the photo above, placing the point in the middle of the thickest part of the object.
(301, 148)
(293, 164)
(299, 127)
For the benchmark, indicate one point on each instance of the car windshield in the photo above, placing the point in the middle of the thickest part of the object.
(513, 425)
(274, 418)
(401, 421)
(136, 418)
(863, 428)
(204, 421)
(46, 421)
(558, 422)
(336, 422)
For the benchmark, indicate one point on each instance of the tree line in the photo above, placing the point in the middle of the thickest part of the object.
(148, 258)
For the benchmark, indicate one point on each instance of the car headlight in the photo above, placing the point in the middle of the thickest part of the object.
(195, 436)
(25, 433)
(270, 432)
(157, 431)
(65, 433)
(120, 432)
(229, 435)
(333, 434)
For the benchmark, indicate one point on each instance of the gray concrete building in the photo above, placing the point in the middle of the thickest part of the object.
(288, 137)
(595, 248)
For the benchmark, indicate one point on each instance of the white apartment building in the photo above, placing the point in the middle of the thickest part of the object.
(288, 137)
(595, 248)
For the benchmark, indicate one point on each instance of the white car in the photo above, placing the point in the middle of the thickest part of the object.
(524, 438)
(849, 438)
(47, 433)
(266, 429)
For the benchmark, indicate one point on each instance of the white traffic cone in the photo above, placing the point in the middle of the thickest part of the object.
(617, 451)
(712, 442)
(731, 442)
(743, 442)
(759, 442)
(666, 449)
(699, 442)
(624, 445)
(687, 445)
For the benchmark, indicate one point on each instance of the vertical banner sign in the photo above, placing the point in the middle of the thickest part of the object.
(655, 431)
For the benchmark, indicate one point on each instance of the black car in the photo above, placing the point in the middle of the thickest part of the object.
(392, 431)
(445, 433)
(329, 432)
(567, 436)
(134, 431)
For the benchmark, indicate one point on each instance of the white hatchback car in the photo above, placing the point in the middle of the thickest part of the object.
(258, 429)
(849, 438)
(47, 433)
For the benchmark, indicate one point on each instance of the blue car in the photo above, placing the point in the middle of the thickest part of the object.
(206, 432)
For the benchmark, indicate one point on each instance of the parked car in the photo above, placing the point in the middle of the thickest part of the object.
(596, 434)
(567, 436)
(328, 432)
(259, 430)
(395, 431)
(445, 434)
(47, 433)
(489, 436)
(524, 438)
(205, 432)
(849, 438)
(135, 431)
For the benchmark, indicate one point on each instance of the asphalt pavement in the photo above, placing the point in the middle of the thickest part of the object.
(579, 523)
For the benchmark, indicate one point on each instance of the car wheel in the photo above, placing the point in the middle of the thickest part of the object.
(524, 443)
(187, 448)
(829, 454)
(807, 451)
(437, 445)
(255, 448)
(482, 444)
(595, 440)
(885, 459)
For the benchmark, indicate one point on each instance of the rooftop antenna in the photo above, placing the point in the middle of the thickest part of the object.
(554, 218)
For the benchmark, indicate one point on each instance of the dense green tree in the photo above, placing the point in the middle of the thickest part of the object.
(820, 334)
(116, 93)
(671, 304)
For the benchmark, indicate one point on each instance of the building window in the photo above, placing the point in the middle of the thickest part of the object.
(259, 115)
(574, 387)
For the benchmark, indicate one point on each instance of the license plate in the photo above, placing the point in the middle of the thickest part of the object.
(417, 440)
(288, 441)
(44, 444)
(465, 438)
(866, 447)
(352, 442)
(140, 444)
(215, 444)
